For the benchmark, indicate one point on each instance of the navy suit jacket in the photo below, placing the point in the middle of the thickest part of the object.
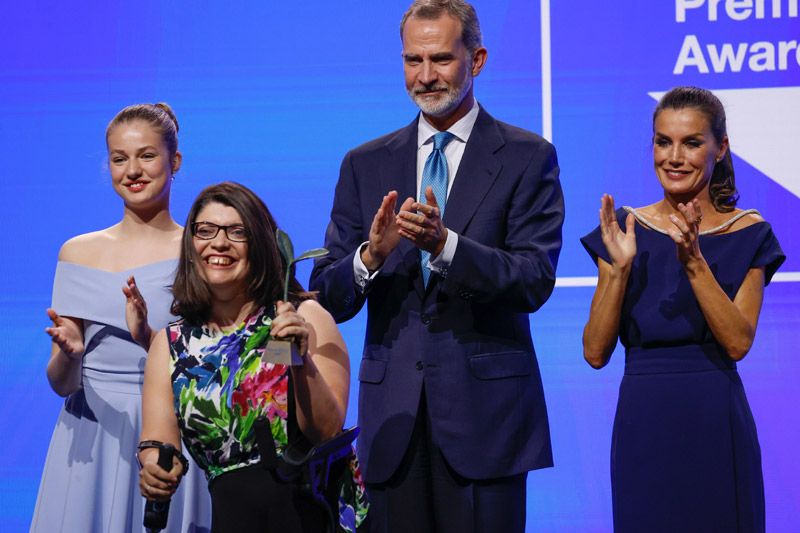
(466, 338)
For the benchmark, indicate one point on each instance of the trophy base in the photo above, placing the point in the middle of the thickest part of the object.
(282, 352)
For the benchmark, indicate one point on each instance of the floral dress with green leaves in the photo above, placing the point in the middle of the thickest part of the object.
(221, 386)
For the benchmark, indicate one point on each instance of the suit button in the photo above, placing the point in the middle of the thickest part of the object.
(426, 319)
(419, 365)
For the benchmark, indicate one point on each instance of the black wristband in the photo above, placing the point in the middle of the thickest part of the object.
(145, 444)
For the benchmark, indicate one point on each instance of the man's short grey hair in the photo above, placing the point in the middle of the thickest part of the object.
(458, 9)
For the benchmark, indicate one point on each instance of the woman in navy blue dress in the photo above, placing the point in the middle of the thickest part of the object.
(681, 286)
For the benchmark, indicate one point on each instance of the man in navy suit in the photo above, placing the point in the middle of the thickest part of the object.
(451, 406)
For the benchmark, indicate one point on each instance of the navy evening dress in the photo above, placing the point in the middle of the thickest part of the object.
(684, 454)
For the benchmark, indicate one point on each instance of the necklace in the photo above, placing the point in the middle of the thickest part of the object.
(725, 225)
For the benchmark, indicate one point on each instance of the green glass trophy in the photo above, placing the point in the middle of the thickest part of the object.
(284, 351)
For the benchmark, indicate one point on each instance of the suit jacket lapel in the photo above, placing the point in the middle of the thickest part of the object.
(401, 176)
(476, 173)
(401, 168)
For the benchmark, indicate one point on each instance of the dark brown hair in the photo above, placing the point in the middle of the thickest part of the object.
(723, 183)
(192, 298)
(458, 9)
(160, 116)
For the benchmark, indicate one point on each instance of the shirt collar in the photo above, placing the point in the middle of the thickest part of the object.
(461, 129)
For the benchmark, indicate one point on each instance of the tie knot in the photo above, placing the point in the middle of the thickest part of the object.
(441, 139)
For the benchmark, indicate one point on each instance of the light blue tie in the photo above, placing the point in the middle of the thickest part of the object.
(435, 175)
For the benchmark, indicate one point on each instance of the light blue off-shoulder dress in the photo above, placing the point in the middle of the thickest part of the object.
(90, 481)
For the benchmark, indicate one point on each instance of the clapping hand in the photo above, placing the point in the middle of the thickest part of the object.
(383, 234)
(422, 224)
(66, 334)
(621, 246)
(686, 231)
(136, 314)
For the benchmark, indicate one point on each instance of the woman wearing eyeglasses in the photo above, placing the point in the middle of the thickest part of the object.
(90, 477)
(206, 382)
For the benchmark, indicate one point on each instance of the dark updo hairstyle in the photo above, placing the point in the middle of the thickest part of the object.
(723, 184)
(192, 298)
(160, 116)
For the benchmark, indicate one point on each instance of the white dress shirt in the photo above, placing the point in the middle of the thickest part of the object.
(453, 152)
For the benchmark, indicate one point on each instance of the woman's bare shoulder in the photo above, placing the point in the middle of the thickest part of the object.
(311, 310)
(319, 318)
(85, 249)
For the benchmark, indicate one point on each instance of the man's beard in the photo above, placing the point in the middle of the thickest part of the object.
(446, 103)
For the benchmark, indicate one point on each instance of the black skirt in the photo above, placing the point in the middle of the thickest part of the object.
(252, 500)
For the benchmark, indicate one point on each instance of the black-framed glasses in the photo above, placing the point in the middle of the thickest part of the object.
(208, 230)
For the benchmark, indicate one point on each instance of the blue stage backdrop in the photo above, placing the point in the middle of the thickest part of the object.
(272, 94)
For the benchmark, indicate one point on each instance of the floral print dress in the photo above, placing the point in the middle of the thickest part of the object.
(221, 387)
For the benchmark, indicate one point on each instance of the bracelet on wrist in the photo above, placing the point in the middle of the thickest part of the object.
(145, 444)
